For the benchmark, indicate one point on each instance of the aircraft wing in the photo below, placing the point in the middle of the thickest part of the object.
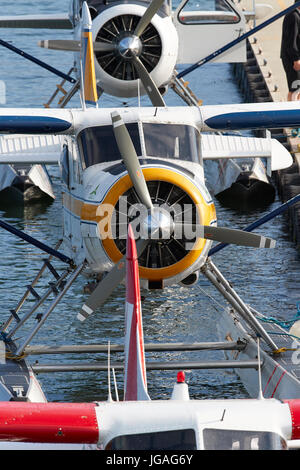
(33, 149)
(50, 21)
(35, 121)
(219, 146)
(273, 115)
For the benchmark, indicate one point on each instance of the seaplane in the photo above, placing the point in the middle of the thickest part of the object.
(141, 166)
(138, 423)
(126, 53)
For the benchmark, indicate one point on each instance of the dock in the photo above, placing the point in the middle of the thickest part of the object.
(262, 79)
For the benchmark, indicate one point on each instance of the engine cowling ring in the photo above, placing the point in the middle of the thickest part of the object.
(206, 216)
(164, 67)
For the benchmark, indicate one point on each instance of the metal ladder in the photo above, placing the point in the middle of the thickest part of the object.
(52, 291)
(67, 95)
(181, 88)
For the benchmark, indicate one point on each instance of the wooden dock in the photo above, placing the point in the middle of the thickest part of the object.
(266, 47)
(263, 78)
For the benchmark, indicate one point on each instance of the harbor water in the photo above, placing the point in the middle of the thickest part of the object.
(266, 279)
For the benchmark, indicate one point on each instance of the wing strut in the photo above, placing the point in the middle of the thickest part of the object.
(35, 242)
(37, 61)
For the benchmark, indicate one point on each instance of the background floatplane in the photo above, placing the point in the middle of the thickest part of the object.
(128, 51)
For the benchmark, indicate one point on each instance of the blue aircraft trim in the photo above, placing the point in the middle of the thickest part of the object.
(255, 120)
(33, 125)
(90, 102)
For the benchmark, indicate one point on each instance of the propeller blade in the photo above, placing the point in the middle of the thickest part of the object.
(153, 8)
(60, 44)
(131, 160)
(108, 284)
(238, 237)
(149, 85)
(72, 45)
(104, 46)
(227, 235)
(262, 220)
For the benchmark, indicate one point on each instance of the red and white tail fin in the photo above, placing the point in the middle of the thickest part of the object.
(135, 384)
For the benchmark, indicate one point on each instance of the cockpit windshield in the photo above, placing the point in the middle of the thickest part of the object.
(232, 439)
(172, 141)
(183, 439)
(98, 144)
(175, 141)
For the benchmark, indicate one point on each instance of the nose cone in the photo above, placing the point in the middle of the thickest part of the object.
(129, 46)
(158, 224)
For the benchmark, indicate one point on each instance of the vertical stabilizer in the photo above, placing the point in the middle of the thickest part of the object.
(135, 384)
(90, 95)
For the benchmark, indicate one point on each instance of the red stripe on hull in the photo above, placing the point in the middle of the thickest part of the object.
(49, 422)
(295, 416)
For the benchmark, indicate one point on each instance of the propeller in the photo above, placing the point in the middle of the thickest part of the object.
(130, 47)
(158, 223)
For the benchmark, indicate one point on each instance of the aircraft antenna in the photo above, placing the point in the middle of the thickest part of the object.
(139, 92)
(260, 392)
(108, 374)
(115, 383)
(82, 87)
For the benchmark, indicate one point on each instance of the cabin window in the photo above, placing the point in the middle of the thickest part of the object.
(98, 144)
(183, 439)
(209, 12)
(65, 174)
(172, 141)
(232, 439)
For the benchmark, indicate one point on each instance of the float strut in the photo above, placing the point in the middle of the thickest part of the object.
(212, 273)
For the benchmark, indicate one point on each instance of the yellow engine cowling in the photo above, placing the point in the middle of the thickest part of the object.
(172, 263)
